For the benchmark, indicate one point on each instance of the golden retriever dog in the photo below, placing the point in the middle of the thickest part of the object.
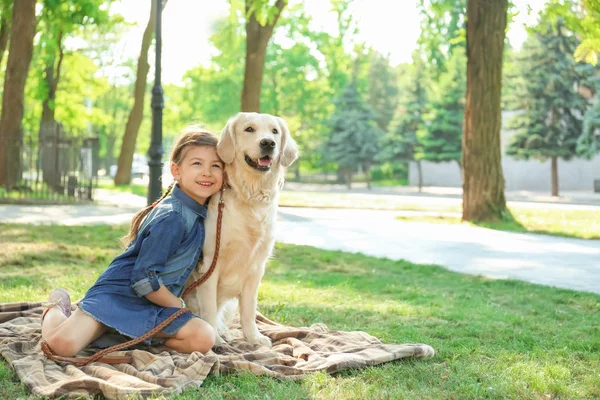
(256, 149)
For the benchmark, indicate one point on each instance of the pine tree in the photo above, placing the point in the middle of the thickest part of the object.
(401, 143)
(383, 91)
(354, 136)
(551, 121)
(588, 144)
(441, 135)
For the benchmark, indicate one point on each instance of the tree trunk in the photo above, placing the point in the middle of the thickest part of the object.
(257, 39)
(554, 176)
(48, 128)
(4, 35)
(123, 175)
(13, 97)
(297, 170)
(341, 175)
(367, 172)
(348, 176)
(420, 169)
(483, 180)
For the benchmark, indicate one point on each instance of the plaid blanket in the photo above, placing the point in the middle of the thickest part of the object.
(157, 370)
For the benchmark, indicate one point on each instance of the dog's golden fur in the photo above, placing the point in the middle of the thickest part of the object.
(249, 215)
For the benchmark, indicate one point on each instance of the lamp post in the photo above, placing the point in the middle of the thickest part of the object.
(155, 152)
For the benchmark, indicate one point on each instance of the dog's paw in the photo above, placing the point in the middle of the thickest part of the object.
(260, 339)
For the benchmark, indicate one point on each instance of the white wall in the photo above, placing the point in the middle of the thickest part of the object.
(576, 174)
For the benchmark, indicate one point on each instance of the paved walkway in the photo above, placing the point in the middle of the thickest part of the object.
(579, 197)
(561, 262)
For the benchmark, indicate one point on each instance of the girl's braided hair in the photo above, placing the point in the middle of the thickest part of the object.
(192, 136)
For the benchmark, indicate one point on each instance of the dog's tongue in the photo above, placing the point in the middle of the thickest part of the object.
(264, 162)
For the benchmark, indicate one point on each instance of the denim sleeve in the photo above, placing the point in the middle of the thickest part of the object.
(160, 242)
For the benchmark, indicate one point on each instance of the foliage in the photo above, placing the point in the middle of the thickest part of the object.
(401, 142)
(354, 136)
(440, 136)
(382, 94)
(550, 123)
(584, 19)
(212, 93)
(442, 30)
(588, 144)
(60, 20)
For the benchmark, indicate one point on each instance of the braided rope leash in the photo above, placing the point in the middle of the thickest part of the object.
(101, 355)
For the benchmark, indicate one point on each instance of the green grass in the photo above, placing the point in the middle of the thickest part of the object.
(582, 224)
(498, 339)
(138, 189)
(40, 196)
(390, 182)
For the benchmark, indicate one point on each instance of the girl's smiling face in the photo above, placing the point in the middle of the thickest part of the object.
(200, 172)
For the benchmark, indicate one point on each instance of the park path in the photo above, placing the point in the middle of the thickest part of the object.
(548, 260)
(561, 262)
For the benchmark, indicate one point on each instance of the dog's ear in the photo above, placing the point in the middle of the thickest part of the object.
(289, 154)
(226, 146)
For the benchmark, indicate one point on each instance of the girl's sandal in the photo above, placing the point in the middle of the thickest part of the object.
(59, 297)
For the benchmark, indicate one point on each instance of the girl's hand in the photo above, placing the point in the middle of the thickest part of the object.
(164, 298)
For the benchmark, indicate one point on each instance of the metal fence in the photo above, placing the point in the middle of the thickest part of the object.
(53, 167)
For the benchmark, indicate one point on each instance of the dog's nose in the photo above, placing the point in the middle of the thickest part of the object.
(267, 144)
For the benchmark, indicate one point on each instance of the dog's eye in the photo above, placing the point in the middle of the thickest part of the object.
(249, 129)
(275, 131)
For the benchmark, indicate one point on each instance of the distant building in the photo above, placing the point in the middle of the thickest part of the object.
(577, 174)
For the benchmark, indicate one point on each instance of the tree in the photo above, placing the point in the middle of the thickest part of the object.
(212, 92)
(588, 144)
(261, 18)
(123, 175)
(440, 135)
(483, 181)
(442, 30)
(383, 89)
(401, 142)
(19, 57)
(550, 123)
(5, 16)
(354, 136)
(583, 18)
(60, 20)
(295, 84)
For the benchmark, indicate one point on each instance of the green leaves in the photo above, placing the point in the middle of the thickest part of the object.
(354, 135)
(582, 18)
(265, 11)
(552, 106)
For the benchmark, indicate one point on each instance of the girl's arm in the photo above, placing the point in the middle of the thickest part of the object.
(159, 242)
(164, 298)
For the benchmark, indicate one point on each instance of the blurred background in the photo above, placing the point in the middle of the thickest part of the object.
(373, 90)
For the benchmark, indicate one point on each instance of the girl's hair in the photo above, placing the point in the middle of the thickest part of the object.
(193, 135)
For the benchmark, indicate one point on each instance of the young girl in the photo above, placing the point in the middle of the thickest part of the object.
(141, 287)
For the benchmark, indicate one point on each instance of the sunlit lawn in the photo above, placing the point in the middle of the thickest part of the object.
(138, 189)
(583, 224)
(494, 338)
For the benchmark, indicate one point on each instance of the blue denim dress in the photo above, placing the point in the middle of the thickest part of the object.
(165, 252)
